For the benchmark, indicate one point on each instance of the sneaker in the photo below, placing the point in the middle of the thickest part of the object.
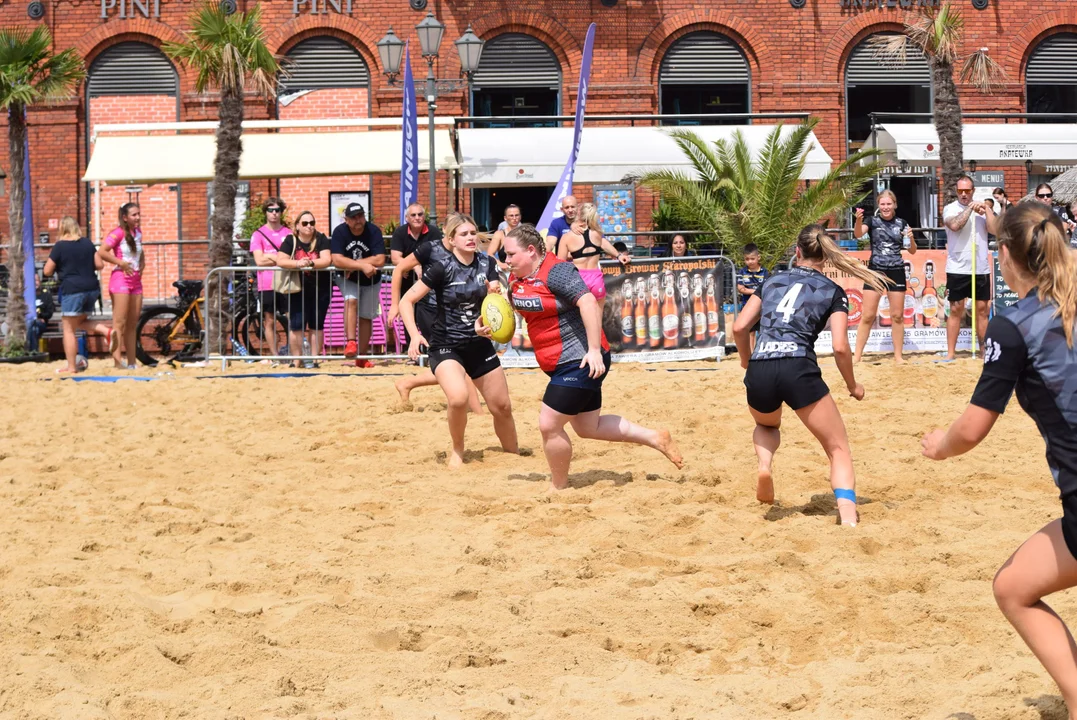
(351, 349)
(363, 364)
(113, 341)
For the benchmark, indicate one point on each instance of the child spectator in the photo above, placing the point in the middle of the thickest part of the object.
(752, 275)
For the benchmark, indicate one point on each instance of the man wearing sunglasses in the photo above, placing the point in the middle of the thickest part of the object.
(966, 220)
(358, 249)
(414, 232)
(1046, 194)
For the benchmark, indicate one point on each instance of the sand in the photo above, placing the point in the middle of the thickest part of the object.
(240, 548)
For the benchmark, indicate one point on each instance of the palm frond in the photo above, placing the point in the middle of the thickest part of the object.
(890, 49)
(982, 72)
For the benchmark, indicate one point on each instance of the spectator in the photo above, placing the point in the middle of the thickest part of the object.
(585, 246)
(966, 221)
(123, 248)
(1045, 194)
(406, 238)
(265, 243)
(678, 247)
(75, 258)
(749, 279)
(620, 247)
(359, 250)
(307, 250)
(1002, 202)
(512, 221)
(561, 225)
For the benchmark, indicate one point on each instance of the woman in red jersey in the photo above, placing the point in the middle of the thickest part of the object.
(571, 349)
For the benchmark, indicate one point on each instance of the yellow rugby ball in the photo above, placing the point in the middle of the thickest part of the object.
(498, 315)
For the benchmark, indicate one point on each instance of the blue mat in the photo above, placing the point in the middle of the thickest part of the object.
(293, 375)
(107, 378)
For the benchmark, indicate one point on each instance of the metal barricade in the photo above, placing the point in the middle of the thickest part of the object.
(300, 327)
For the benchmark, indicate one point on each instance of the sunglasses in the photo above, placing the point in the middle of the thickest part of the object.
(306, 223)
(1045, 195)
(273, 209)
(415, 214)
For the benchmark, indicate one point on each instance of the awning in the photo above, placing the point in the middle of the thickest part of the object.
(536, 156)
(987, 143)
(149, 159)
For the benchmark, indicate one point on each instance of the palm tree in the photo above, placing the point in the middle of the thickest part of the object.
(229, 53)
(739, 198)
(29, 73)
(937, 33)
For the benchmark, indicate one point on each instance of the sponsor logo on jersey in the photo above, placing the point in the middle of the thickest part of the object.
(777, 347)
(992, 351)
(527, 303)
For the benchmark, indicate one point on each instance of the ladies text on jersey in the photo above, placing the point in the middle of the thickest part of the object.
(887, 240)
(547, 300)
(460, 291)
(796, 305)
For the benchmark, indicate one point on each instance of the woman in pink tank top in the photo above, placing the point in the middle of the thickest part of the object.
(123, 249)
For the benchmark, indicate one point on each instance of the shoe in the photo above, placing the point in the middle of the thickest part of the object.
(363, 364)
(351, 349)
(113, 341)
(81, 363)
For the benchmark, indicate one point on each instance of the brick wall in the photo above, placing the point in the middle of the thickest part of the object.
(796, 56)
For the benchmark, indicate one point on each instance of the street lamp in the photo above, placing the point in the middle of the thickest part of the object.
(430, 31)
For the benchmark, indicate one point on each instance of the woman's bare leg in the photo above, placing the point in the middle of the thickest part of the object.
(130, 332)
(867, 318)
(556, 445)
(452, 378)
(897, 324)
(120, 303)
(824, 421)
(495, 391)
(614, 428)
(766, 438)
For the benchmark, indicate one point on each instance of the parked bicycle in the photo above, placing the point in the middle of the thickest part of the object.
(176, 332)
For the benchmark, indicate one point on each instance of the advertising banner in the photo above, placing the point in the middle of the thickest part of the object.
(655, 311)
(409, 160)
(925, 308)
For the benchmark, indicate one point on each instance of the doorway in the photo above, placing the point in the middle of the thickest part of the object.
(488, 204)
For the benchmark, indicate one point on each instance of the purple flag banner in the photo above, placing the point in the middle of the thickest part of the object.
(409, 164)
(29, 293)
(564, 185)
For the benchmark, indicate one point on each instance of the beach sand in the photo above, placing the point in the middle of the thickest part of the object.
(244, 548)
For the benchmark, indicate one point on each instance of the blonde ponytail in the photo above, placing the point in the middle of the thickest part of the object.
(1036, 241)
(815, 244)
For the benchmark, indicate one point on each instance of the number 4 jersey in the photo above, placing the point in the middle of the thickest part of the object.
(796, 305)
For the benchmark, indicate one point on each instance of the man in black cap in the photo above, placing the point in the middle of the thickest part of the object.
(358, 249)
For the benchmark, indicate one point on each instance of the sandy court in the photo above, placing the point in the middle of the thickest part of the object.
(239, 548)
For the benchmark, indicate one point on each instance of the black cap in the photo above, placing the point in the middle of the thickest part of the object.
(354, 210)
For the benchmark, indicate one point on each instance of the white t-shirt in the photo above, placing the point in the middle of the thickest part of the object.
(959, 244)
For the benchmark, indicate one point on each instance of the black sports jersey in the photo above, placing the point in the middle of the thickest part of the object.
(426, 252)
(460, 291)
(796, 305)
(1026, 350)
(887, 239)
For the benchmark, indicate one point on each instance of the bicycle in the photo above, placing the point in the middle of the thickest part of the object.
(171, 333)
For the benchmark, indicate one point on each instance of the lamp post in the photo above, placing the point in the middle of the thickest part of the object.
(430, 31)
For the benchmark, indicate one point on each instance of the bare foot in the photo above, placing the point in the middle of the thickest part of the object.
(404, 390)
(555, 488)
(856, 359)
(764, 487)
(456, 459)
(899, 361)
(668, 447)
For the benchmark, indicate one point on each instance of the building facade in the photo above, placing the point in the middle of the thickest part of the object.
(651, 56)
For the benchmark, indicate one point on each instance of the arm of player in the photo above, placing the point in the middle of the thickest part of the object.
(843, 355)
(968, 431)
(590, 315)
(407, 313)
(742, 328)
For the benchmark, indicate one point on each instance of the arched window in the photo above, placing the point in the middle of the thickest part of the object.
(323, 62)
(131, 68)
(704, 73)
(1051, 76)
(876, 85)
(518, 75)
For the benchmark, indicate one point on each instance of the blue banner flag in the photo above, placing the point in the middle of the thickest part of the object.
(29, 276)
(409, 164)
(564, 185)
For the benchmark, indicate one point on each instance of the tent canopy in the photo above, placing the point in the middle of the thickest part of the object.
(536, 156)
(988, 143)
(149, 159)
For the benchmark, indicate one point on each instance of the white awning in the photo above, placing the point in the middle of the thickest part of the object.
(148, 159)
(536, 156)
(988, 143)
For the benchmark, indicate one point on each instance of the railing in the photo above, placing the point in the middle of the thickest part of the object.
(647, 120)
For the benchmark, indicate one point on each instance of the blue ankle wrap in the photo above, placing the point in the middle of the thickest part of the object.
(843, 494)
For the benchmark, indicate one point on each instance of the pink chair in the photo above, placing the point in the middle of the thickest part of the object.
(377, 330)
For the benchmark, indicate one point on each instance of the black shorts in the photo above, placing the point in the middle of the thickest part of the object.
(797, 382)
(307, 311)
(572, 391)
(272, 302)
(1069, 522)
(959, 287)
(477, 357)
(896, 275)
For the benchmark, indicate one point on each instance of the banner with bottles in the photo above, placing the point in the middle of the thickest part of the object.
(658, 310)
(925, 309)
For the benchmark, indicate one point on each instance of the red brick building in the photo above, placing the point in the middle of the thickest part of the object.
(651, 56)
